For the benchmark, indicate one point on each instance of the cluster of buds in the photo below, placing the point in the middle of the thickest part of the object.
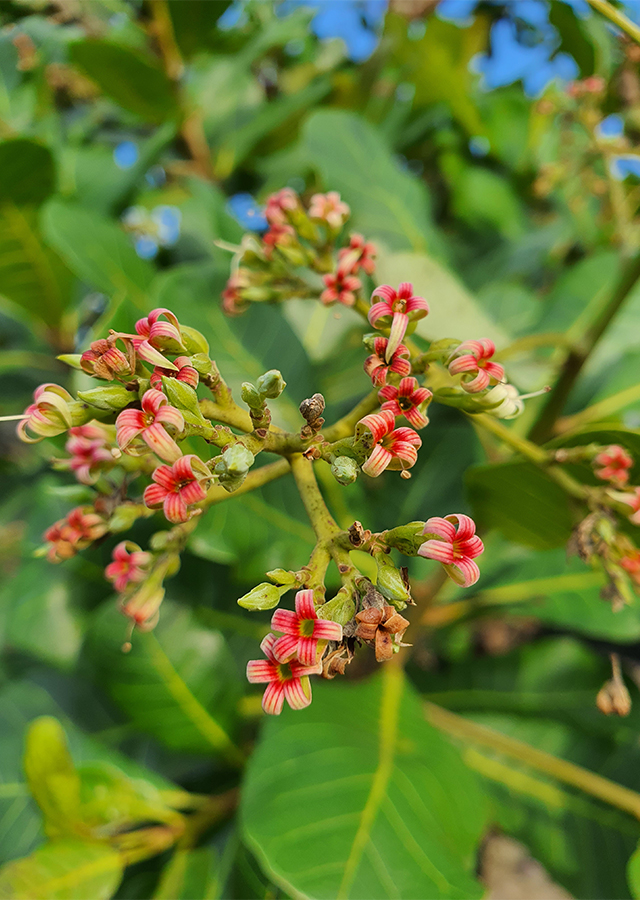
(304, 253)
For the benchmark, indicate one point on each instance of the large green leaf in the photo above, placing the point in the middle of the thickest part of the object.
(365, 799)
(194, 23)
(522, 502)
(27, 174)
(388, 204)
(52, 777)
(131, 78)
(63, 870)
(189, 874)
(176, 683)
(98, 252)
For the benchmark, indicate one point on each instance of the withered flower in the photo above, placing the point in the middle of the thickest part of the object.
(383, 628)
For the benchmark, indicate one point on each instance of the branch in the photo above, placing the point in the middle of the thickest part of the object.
(618, 18)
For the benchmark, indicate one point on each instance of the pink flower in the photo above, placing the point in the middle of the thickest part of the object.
(185, 373)
(614, 462)
(394, 448)
(329, 208)
(473, 358)
(341, 288)
(150, 423)
(278, 204)
(154, 334)
(104, 360)
(377, 367)
(48, 415)
(233, 303)
(285, 681)
(302, 630)
(454, 547)
(77, 530)
(396, 309)
(358, 255)
(177, 487)
(406, 400)
(276, 236)
(128, 566)
(90, 452)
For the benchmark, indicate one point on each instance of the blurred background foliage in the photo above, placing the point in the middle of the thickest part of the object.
(138, 139)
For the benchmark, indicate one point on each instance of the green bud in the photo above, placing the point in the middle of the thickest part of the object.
(251, 396)
(390, 584)
(264, 596)
(271, 384)
(79, 413)
(281, 576)
(126, 515)
(181, 395)
(406, 538)
(345, 470)
(369, 340)
(161, 540)
(193, 340)
(341, 609)
(110, 397)
(71, 359)
(201, 363)
(237, 460)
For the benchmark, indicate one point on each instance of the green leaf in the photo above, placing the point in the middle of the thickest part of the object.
(194, 23)
(522, 502)
(454, 312)
(98, 252)
(63, 870)
(387, 203)
(27, 174)
(573, 40)
(633, 873)
(52, 777)
(176, 684)
(129, 77)
(361, 775)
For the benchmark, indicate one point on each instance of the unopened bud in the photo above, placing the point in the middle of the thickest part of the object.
(193, 340)
(71, 359)
(341, 609)
(237, 460)
(281, 576)
(613, 699)
(112, 397)
(390, 582)
(251, 396)
(264, 596)
(312, 408)
(345, 470)
(271, 384)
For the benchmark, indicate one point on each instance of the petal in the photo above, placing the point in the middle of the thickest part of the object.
(154, 495)
(388, 392)
(495, 370)
(152, 400)
(444, 529)
(169, 415)
(130, 418)
(149, 354)
(472, 547)
(266, 646)
(400, 366)
(307, 651)
(298, 692)
(326, 630)
(175, 509)
(469, 570)
(407, 387)
(406, 435)
(421, 395)
(466, 526)
(261, 671)
(440, 550)
(398, 331)
(466, 363)
(183, 468)
(417, 418)
(305, 607)
(159, 441)
(125, 434)
(405, 290)
(385, 291)
(377, 462)
(406, 453)
(379, 311)
(393, 406)
(477, 384)
(286, 648)
(417, 307)
(164, 476)
(379, 424)
(192, 493)
(273, 698)
(286, 622)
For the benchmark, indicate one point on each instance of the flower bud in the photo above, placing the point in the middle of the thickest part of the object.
(71, 359)
(181, 395)
(193, 340)
(344, 470)
(271, 384)
(237, 460)
(48, 415)
(251, 396)
(264, 596)
(282, 577)
(390, 583)
(341, 609)
(613, 699)
(112, 397)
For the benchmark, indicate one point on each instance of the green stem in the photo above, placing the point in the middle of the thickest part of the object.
(618, 18)
(322, 522)
(543, 429)
(560, 769)
(255, 479)
(601, 410)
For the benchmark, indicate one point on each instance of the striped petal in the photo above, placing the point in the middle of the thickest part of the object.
(326, 630)
(126, 434)
(468, 569)
(154, 496)
(157, 439)
(403, 452)
(379, 311)
(379, 424)
(466, 363)
(495, 370)
(175, 509)
(440, 550)
(405, 290)
(266, 645)
(479, 383)
(472, 547)
(183, 468)
(286, 648)
(131, 418)
(417, 307)
(152, 400)
(385, 291)
(273, 698)
(261, 671)
(164, 476)
(149, 354)
(466, 526)
(307, 651)
(286, 621)
(407, 435)
(305, 607)
(298, 693)
(399, 365)
(444, 529)
(171, 416)
(415, 417)
(377, 462)
(398, 331)
(388, 392)
(192, 493)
